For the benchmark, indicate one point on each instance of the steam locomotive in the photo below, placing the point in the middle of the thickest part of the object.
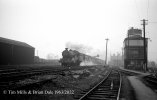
(71, 58)
(74, 58)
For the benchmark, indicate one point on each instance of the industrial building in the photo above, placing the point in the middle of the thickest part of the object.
(116, 60)
(14, 52)
(134, 50)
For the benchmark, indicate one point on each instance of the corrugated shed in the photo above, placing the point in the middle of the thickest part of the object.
(13, 42)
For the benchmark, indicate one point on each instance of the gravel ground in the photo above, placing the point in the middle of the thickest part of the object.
(62, 87)
(153, 87)
(71, 84)
(127, 91)
(142, 91)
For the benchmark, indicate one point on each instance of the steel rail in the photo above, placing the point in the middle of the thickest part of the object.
(120, 85)
(108, 76)
(96, 85)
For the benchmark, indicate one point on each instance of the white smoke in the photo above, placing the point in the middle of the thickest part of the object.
(79, 47)
(87, 63)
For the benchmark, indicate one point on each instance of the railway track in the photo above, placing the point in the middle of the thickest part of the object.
(128, 73)
(151, 79)
(9, 79)
(108, 89)
(7, 75)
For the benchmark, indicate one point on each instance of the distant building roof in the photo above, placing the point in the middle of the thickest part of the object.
(13, 42)
(134, 32)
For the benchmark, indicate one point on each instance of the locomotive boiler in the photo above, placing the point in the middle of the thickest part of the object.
(71, 58)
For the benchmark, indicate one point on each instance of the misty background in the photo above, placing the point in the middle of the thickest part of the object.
(52, 25)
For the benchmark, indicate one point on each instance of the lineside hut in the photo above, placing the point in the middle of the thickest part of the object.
(14, 52)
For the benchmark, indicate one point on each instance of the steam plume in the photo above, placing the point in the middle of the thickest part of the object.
(79, 47)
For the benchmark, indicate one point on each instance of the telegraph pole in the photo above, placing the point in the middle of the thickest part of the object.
(144, 41)
(106, 50)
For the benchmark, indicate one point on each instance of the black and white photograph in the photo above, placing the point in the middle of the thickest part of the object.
(78, 49)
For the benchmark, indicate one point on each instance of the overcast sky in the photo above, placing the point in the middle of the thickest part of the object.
(48, 25)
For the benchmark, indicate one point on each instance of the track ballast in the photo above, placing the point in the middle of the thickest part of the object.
(107, 89)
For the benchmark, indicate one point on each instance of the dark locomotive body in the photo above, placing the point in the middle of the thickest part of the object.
(71, 58)
(134, 50)
(74, 58)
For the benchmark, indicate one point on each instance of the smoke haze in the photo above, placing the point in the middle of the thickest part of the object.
(79, 47)
(86, 49)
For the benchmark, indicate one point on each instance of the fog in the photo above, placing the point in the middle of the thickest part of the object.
(52, 25)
